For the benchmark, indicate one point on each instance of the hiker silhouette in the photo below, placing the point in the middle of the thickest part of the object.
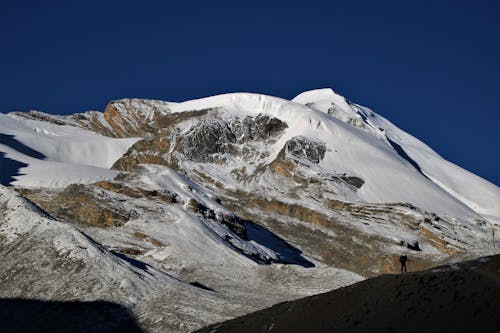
(403, 259)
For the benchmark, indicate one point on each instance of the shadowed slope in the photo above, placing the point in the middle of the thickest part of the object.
(15, 144)
(9, 167)
(27, 315)
(289, 253)
(461, 297)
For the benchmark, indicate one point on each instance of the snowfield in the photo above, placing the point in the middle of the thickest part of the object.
(56, 155)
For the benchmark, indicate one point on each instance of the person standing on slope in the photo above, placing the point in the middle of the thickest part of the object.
(403, 259)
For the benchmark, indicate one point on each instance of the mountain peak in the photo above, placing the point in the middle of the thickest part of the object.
(315, 95)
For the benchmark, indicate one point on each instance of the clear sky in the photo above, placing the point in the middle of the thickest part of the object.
(431, 67)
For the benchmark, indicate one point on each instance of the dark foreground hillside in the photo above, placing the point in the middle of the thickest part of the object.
(461, 297)
(37, 316)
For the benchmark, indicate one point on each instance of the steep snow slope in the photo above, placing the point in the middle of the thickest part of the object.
(52, 155)
(473, 191)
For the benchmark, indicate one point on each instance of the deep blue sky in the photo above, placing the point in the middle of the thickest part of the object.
(431, 67)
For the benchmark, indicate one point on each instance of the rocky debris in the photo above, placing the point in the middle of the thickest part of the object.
(462, 297)
(417, 221)
(43, 258)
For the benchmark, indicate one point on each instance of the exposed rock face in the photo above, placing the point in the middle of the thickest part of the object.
(299, 151)
(146, 151)
(352, 180)
(207, 140)
(134, 117)
(139, 118)
(96, 122)
(283, 165)
(135, 192)
(303, 148)
(90, 120)
(211, 138)
(204, 141)
(261, 127)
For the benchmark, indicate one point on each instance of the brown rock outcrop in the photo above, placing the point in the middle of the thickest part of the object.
(81, 204)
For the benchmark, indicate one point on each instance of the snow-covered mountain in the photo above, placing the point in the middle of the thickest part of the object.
(241, 199)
